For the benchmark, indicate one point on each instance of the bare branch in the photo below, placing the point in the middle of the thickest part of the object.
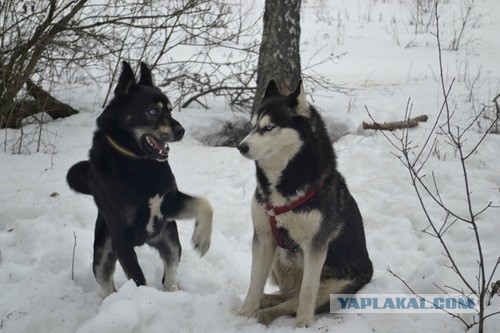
(456, 137)
(418, 295)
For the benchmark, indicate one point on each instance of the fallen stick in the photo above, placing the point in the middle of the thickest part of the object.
(396, 124)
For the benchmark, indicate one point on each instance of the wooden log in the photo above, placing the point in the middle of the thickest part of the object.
(41, 101)
(391, 126)
(47, 103)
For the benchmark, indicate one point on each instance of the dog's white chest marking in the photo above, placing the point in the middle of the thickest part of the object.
(302, 227)
(154, 212)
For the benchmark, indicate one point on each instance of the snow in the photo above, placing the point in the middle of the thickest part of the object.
(41, 218)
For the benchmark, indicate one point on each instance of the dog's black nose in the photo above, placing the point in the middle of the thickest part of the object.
(243, 148)
(179, 132)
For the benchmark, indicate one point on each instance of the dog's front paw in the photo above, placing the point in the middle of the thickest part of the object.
(105, 293)
(107, 289)
(203, 227)
(304, 321)
(201, 238)
(171, 287)
(245, 312)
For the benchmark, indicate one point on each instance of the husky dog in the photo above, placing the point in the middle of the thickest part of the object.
(308, 231)
(133, 186)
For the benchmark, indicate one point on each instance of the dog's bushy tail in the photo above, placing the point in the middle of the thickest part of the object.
(77, 177)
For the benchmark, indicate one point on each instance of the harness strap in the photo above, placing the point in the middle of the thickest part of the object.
(275, 211)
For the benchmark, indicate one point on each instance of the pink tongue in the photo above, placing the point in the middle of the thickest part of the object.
(160, 146)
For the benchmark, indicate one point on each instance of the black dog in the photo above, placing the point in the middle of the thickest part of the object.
(133, 186)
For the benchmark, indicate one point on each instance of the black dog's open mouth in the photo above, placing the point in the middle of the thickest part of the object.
(155, 146)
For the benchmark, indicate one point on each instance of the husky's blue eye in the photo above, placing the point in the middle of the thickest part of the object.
(268, 128)
(152, 112)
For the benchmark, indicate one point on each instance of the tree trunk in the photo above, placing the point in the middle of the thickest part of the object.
(279, 54)
(19, 65)
(47, 103)
(42, 102)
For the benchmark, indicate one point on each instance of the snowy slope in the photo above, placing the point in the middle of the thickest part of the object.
(40, 217)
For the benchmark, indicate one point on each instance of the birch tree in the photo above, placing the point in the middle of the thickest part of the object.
(279, 56)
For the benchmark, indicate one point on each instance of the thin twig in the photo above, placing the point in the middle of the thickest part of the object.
(416, 294)
(491, 278)
(73, 259)
(491, 314)
(493, 123)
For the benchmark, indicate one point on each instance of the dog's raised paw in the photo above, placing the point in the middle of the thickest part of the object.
(201, 239)
(203, 226)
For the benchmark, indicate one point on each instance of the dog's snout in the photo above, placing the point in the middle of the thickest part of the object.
(243, 148)
(179, 132)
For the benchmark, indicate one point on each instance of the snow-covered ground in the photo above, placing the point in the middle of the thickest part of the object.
(384, 65)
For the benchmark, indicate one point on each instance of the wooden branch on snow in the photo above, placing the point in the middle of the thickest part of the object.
(396, 124)
(45, 102)
(40, 101)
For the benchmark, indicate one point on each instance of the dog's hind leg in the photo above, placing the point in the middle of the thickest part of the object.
(104, 258)
(270, 300)
(286, 308)
(333, 286)
(289, 306)
(168, 245)
(123, 246)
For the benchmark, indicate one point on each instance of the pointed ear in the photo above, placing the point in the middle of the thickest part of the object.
(146, 77)
(300, 96)
(271, 90)
(126, 81)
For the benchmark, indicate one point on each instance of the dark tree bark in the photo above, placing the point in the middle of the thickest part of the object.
(39, 101)
(18, 65)
(279, 54)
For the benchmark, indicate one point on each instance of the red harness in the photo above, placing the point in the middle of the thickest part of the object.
(275, 211)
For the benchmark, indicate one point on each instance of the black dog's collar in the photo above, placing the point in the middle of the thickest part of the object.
(122, 150)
